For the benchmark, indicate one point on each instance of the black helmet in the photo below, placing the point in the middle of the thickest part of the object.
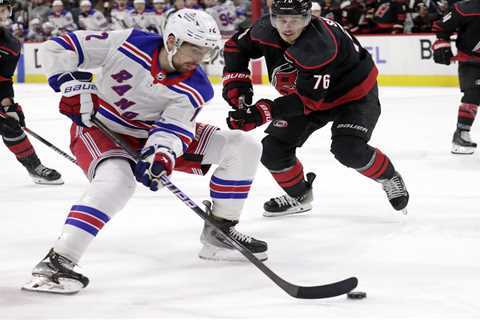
(291, 7)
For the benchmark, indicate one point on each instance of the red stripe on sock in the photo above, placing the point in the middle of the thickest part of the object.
(376, 165)
(467, 110)
(22, 149)
(291, 177)
(86, 218)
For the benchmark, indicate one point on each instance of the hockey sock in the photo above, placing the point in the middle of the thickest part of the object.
(466, 116)
(379, 167)
(291, 179)
(22, 149)
(108, 192)
(228, 196)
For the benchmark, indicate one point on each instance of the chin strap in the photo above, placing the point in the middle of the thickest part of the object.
(170, 55)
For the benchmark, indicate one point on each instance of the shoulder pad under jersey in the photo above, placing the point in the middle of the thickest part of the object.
(315, 48)
(263, 31)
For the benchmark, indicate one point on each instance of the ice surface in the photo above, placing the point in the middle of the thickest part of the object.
(144, 263)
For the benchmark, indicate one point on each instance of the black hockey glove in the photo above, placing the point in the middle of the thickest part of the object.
(236, 85)
(13, 110)
(251, 117)
(442, 52)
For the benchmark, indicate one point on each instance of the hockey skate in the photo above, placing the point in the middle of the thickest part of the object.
(396, 192)
(43, 175)
(54, 274)
(285, 205)
(462, 143)
(216, 247)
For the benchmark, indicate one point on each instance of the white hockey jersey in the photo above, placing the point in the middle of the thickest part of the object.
(157, 22)
(93, 20)
(120, 19)
(136, 97)
(62, 21)
(225, 15)
(140, 20)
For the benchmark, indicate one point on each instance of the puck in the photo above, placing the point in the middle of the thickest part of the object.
(357, 295)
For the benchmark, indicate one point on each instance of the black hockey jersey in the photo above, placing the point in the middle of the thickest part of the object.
(325, 67)
(464, 19)
(389, 16)
(9, 54)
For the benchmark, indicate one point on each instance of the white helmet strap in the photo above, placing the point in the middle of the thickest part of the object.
(171, 53)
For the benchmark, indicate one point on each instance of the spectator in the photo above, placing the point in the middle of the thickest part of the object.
(48, 30)
(316, 9)
(330, 10)
(91, 19)
(192, 4)
(158, 16)
(120, 17)
(423, 21)
(390, 16)
(224, 14)
(352, 12)
(35, 32)
(39, 9)
(60, 18)
(140, 17)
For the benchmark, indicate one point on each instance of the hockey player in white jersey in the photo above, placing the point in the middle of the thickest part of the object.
(91, 19)
(149, 91)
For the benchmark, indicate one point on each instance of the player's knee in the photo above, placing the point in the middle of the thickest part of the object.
(238, 145)
(351, 151)
(249, 147)
(276, 155)
(112, 186)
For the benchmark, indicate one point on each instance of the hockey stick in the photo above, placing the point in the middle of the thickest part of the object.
(45, 142)
(296, 291)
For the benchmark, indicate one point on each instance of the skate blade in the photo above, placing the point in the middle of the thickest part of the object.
(213, 253)
(44, 284)
(296, 210)
(457, 149)
(47, 182)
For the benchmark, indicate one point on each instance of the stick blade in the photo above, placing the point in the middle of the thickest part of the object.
(325, 291)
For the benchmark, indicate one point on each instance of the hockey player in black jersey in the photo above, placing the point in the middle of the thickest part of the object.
(324, 75)
(464, 20)
(11, 115)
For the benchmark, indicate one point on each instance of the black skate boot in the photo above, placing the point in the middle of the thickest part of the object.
(216, 247)
(396, 192)
(54, 274)
(462, 143)
(284, 205)
(43, 175)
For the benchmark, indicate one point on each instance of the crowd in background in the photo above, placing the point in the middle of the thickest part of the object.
(38, 20)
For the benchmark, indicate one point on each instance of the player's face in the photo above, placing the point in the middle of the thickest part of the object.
(189, 56)
(289, 27)
(5, 12)
(140, 7)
